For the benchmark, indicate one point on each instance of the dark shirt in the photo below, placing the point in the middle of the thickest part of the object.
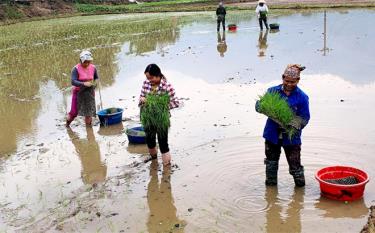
(221, 11)
(299, 103)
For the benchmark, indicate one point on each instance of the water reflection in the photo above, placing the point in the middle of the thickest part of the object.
(159, 34)
(26, 47)
(112, 130)
(162, 216)
(275, 222)
(221, 44)
(88, 151)
(262, 43)
(137, 149)
(16, 117)
(337, 209)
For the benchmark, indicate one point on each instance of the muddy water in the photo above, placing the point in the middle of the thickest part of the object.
(88, 180)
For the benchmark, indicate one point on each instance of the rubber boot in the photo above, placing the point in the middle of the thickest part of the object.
(298, 176)
(271, 172)
(166, 157)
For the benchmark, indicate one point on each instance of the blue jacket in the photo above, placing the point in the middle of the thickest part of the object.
(299, 103)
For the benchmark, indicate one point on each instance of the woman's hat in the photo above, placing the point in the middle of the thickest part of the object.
(85, 55)
(262, 1)
(293, 71)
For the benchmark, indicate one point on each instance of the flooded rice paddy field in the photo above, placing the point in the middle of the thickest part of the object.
(92, 180)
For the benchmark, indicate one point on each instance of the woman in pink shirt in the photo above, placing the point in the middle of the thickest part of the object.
(84, 75)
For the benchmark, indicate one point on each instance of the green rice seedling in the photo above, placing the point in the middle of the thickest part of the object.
(275, 107)
(137, 133)
(155, 113)
(112, 110)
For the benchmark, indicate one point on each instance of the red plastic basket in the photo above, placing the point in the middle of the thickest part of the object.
(338, 191)
(232, 27)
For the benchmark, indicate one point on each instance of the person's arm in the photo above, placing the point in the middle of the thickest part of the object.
(75, 81)
(266, 8)
(217, 11)
(225, 12)
(257, 11)
(142, 96)
(302, 115)
(96, 76)
(304, 112)
(173, 101)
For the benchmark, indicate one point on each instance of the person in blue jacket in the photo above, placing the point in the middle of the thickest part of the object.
(275, 137)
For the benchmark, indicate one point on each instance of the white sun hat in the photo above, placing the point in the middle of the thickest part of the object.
(85, 55)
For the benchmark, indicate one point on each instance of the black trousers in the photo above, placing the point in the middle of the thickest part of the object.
(292, 152)
(162, 139)
(222, 20)
(265, 22)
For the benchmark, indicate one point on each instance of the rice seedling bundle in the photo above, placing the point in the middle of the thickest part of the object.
(275, 107)
(155, 113)
(137, 133)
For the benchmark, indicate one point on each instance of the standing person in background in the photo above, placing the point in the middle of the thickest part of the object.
(84, 75)
(276, 137)
(157, 84)
(262, 11)
(220, 13)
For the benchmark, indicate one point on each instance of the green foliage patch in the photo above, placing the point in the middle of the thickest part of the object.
(155, 113)
(11, 12)
(275, 107)
(142, 7)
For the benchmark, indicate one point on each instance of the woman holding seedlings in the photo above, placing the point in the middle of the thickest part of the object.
(156, 99)
(84, 75)
(276, 136)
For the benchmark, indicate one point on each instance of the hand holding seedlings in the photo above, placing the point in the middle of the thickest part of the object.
(87, 84)
(142, 100)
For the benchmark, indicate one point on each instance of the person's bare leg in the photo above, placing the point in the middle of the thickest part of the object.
(153, 154)
(166, 157)
(69, 120)
(88, 120)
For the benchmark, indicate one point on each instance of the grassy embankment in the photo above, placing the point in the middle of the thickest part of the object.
(160, 6)
(10, 13)
(202, 5)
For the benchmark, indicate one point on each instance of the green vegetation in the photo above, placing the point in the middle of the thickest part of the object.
(39, 53)
(198, 5)
(161, 6)
(11, 12)
(137, 133)
(155, 113)
(21, 12)
(275, 107)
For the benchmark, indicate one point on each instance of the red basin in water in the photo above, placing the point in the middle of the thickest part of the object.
(232, 27)
(341, 192)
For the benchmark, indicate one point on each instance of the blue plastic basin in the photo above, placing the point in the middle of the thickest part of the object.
(134, 137)
(108, 118)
